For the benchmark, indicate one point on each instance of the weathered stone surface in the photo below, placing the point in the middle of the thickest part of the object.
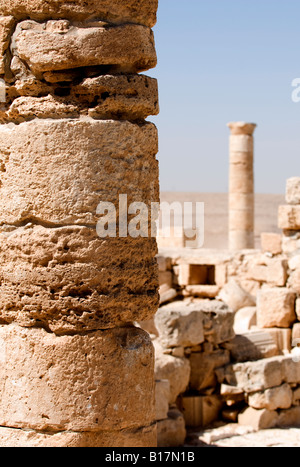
(255, 376)
(111, 157)
(235, 296)
(203, 291)
(129, 96)
(272, 399)
(6, 27)
(290, 417)
(203, 366)
(171, 432)
(118, 11)
(293, 190)
(162, 396)
(218, 321)
(68, 279)
(95, 382)
(138, 438)
(294, 281)
(200, 411)
(271, 271)
(57, 45)
(283, 339)
(258, 419)
(179, 324)
(176, 370)
(252, 345)
(276, 308)
(244, 319)
(289, 217)
(271, 243)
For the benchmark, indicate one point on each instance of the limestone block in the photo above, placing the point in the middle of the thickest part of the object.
(175, 370)
(68, 279)
(241, 220)
(241, 143)
(166, 278)
(166, 294)
(290, 242)
(294, 281)
(255, 376)
(252, 345)
(111, 157)
(282, 338)
(218, 321)
(241, 202)
(137, 438)
(203, 366)
(296, 332)
(132, 97)
(97, 382)
(179, 324)
(171, 432)
(291, 370)
(241, 179)
(289, 217)
(200, 411)
(52, 47)
(162, 396)
(241, 239)
(244, 319)
(280, 397)
(258, 419)
(202, 291)
(276, 308)
(118, 11)
(289, 418)
(272, 271)
(235, 296)
(296, 397)
(293, 190)
(271, 243)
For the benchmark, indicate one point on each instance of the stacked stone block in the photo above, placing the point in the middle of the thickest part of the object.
(74, 369)
(241, 186)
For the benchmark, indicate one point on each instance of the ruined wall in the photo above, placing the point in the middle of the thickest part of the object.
(74, 370)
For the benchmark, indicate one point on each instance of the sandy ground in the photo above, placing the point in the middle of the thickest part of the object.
(216, 214)
(234, 435)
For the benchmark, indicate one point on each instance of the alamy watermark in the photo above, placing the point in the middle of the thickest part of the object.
(165, 220)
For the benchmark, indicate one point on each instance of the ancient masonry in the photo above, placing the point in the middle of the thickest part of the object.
(227, 335)
(74, 370)
(241, 186)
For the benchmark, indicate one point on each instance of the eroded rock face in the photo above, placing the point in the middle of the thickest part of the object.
(74, 371)
(117, 11)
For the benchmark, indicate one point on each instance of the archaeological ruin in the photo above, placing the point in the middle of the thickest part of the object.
(125, 341)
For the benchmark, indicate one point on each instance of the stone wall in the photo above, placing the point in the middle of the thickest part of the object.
(74, 370)
(227, 331)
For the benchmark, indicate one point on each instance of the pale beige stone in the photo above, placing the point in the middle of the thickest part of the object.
(129, 46)
(296, 397)
(95, 382)
(166, 294)
(166, 278)
(272, 271)
(118, 11)
(293, 190)
(241, 219)
(68, 279)
(283, 339)
(180, 325)
(298, 308)
(289, 418)
(289, 217)
(296, 332)
(175, 370)
(162, 396)
(137, 438)
(244, 319)
(276, 308)
(255, 376)
(272, 399)
(291, 369)
(242, 128)
(258, 419)
(240, 240)
(218, 321)
(271, 243)
(294, 281)
(171, 432)
(203, 291)
(252, 345)
(235, 296)
(111, 157)
(203, 368)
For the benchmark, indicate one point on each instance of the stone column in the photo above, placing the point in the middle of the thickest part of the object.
(74, 370)
(241, 186)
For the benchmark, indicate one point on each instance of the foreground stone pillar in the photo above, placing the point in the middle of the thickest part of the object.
(241, 186)
(74, 371)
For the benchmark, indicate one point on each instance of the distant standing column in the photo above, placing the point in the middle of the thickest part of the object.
(241, 186)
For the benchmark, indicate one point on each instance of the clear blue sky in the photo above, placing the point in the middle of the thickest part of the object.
(221, 61)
